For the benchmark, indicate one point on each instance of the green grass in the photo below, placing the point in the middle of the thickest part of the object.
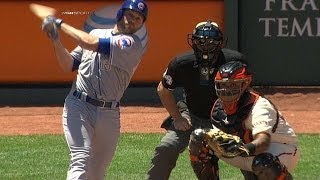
(46, 157)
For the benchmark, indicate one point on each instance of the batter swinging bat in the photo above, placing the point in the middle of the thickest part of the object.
(42, 11)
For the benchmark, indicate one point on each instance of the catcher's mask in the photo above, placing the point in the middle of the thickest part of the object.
(231, 81)
(206, 41)
(137, 5)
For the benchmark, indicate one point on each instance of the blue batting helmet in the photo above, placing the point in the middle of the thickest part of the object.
(137, 5)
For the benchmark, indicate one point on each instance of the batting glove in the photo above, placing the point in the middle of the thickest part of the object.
(57, 21)
(50, 25)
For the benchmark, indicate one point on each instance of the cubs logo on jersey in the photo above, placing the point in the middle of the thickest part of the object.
(124, 42)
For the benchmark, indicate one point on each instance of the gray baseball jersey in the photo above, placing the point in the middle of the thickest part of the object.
(106, 74)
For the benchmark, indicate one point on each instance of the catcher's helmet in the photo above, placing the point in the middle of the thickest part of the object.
(206, 39)
(137, 5)
(231, 81)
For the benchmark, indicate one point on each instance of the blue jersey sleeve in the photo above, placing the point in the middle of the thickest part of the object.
(104, 46)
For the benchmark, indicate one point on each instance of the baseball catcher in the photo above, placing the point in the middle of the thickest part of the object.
(248, 132)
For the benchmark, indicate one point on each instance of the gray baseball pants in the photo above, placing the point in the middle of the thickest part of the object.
(92, 134)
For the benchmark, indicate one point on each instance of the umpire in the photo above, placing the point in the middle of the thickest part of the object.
(194, 72)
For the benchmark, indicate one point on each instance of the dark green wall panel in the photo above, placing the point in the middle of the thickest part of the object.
(280, 39)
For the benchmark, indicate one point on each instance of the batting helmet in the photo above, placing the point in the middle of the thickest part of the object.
(137, 5)
(206, 39)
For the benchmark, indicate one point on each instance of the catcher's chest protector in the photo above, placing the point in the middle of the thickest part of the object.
(235, 123)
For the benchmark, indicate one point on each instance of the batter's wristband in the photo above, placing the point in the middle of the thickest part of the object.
(58, 22)
(251, 148)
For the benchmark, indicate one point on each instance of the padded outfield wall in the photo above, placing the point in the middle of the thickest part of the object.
(279, 37)
(27, 55)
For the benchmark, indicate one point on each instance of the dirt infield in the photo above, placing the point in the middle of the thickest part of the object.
(301, 109)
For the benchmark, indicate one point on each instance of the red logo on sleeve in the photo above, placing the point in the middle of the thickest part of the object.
(124, 42)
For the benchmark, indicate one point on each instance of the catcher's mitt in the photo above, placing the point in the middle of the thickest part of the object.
(226, 145)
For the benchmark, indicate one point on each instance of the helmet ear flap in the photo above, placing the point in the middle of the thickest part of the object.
(119, 14)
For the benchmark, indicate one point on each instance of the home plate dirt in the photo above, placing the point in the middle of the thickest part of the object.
(302, 111)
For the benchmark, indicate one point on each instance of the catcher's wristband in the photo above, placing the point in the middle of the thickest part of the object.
(251, 148)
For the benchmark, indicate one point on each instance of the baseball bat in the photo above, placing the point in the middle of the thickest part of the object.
(42, 11)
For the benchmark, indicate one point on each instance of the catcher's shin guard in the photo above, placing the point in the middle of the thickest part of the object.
(266, 167)
(205, 170)
(203, 162)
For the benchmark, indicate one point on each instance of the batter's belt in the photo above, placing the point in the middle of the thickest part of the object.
(95, 102)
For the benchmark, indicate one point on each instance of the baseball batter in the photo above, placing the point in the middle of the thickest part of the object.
(270, 141)
(106, 60)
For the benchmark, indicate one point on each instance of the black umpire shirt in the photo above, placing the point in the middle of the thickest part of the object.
(183, 71)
